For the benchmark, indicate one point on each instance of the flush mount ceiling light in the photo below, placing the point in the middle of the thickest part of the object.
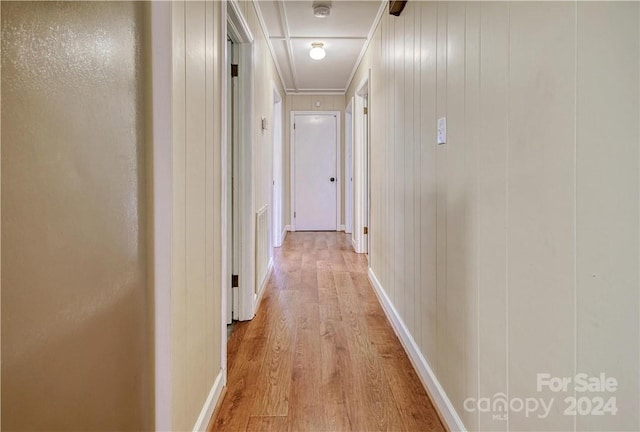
(321, 10)
(317, 51)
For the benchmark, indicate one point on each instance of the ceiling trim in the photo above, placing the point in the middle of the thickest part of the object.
(238, 23)
(281, 38)
(282, 14)
(263, 26)
(316, 93)
(383, 6)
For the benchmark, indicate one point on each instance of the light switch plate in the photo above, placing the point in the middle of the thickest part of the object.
(442, 130)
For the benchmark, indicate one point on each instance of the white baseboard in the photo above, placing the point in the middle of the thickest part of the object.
(428, 378)
(210, 403)
(354, 244)
(341, 228)
(264, 285)
(286, 229)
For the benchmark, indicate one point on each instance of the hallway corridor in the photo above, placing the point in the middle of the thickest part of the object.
(320, 354)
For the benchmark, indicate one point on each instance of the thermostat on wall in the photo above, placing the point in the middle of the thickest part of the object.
(442, 130)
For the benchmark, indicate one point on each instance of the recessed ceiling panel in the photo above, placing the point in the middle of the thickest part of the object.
(347, 19)
(292, 27)
(330, 73)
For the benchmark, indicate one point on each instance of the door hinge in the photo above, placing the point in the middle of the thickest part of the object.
(235, 281)
(294, 214)
(294, 126)
(234, 70)
(366, 230)
(366, 110)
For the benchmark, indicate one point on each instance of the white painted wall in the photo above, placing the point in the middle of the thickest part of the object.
(278, 168)
(514, 248)
(264, 77)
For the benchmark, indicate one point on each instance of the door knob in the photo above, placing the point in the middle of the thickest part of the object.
(332, 179)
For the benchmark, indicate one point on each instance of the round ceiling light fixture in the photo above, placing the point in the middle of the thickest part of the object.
(321, 10)
(317, 51)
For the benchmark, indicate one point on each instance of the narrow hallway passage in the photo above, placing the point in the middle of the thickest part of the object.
(320, 354)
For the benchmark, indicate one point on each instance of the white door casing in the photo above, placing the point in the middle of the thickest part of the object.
(315, 162)
(238, 29)
(360, 176)
(348, 168)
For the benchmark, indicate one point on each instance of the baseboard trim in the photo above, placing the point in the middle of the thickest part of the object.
(355, 246)
(437, 394)
(341, 228)
(285, 230)
(210, 404)
(264, 285)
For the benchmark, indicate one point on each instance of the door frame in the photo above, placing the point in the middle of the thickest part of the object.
(360, 158)
(348, 168)
(238, 29)
(292, 163)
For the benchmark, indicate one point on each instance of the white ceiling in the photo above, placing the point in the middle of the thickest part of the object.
(291, 28)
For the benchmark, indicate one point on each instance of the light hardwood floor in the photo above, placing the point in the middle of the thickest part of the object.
(320, 354)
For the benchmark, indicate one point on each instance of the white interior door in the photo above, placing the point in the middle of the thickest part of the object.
(229, 174)
(315, 172)
(233, 220)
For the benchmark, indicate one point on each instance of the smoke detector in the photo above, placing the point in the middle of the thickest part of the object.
(321, 10)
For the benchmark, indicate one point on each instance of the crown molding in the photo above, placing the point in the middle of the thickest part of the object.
(263, 26)
(383, 6)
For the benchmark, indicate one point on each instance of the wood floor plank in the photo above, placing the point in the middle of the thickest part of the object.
(320, 354)
(410, 395)
(267, 424)
(328, 297)
(274, 377)
(307, 407)
(335, 375)
(380, 410)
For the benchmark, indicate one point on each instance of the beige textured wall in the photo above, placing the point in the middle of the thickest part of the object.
(308, 103)
(75, 345)
(514, 248)
(196, 255)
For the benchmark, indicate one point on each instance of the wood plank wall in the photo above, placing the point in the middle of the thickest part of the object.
(513, 249)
